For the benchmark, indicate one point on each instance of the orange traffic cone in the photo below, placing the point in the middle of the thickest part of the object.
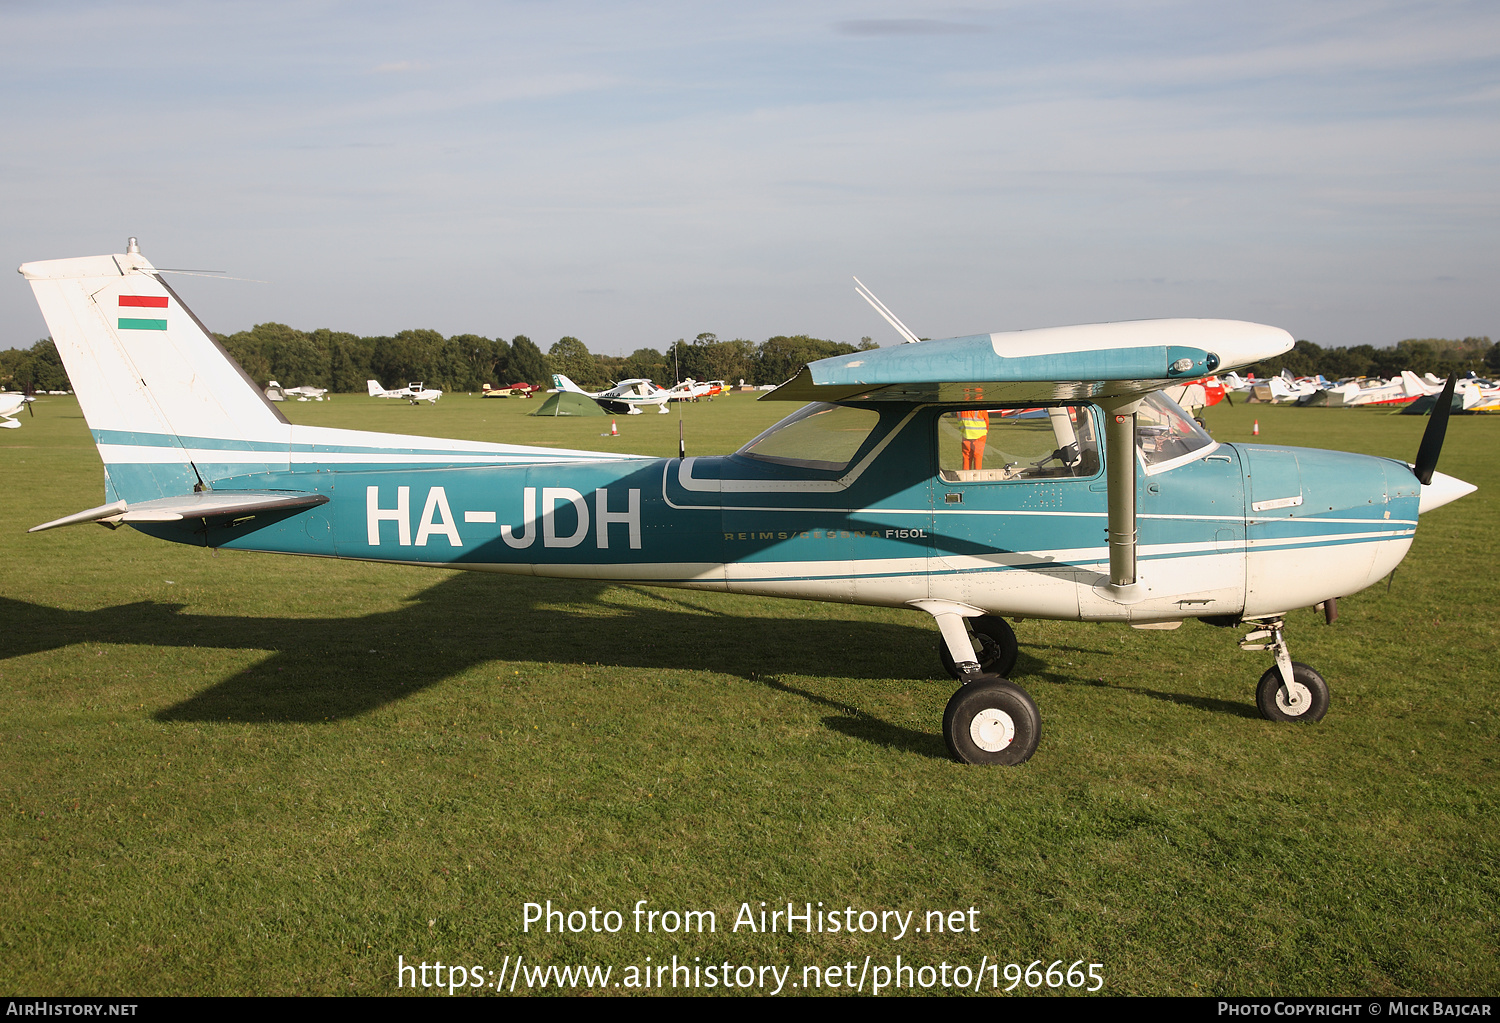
(1255, 429)
(614, 431)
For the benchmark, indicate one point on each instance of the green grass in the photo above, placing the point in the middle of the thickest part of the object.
(249, 774)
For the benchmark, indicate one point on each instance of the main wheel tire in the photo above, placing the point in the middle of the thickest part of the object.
(992, 722)
(995, 647)
(1308, 687)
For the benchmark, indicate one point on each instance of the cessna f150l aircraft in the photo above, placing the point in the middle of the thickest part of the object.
(1034, 473)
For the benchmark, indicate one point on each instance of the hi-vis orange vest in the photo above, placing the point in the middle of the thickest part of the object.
(975, 423)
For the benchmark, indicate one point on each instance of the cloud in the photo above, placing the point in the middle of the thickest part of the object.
(906, 27)
(399, 67)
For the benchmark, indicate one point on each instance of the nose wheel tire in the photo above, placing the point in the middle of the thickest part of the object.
(1307, 701)
(992, 722)
(995, 647)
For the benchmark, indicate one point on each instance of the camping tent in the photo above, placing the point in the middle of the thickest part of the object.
(569, 403)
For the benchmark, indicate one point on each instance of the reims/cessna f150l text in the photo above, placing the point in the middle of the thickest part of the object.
(1037, 473)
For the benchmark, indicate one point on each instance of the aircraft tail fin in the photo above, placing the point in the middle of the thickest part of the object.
(1411, 384)
(160, 394)
(562, 383)
(375, 389)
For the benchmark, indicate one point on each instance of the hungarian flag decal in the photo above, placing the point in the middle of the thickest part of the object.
(143, 303)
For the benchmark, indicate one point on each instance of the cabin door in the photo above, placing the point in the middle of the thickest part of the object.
(1018, 504)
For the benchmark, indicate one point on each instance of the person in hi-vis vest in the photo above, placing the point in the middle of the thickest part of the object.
(975, 424)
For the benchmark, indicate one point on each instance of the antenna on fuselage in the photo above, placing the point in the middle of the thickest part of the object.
(890, 317)
(677, 373)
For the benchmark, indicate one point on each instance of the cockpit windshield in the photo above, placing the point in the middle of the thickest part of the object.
(818, 436)
(1165, 433)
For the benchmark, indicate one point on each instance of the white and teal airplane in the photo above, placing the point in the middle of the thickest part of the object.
(627, 398)
(1035, 474)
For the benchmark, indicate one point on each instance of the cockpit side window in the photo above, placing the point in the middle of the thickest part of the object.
(1165, 433)
(818, 436)
(996, 445)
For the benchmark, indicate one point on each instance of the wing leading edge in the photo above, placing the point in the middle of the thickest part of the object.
(1096, 360)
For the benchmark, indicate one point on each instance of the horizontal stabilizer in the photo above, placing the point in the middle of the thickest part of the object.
(209, 504)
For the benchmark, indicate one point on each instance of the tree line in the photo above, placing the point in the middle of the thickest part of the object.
(343, 362)
(38, 368)
(1435, 355)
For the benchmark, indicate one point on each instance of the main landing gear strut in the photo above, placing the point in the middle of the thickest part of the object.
(990, 720)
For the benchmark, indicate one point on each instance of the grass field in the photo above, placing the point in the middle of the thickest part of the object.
(250, 774)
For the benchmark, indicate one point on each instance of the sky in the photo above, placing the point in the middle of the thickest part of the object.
(632, 173)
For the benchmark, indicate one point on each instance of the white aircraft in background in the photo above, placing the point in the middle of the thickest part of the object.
(276, 392)
(690, 390)
(626, 398)
(11, 404)
(411, 392)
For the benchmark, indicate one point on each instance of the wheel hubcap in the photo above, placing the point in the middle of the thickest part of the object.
(992, 730)
(1294, 700)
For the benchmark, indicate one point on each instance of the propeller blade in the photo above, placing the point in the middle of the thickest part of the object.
(1432, 438)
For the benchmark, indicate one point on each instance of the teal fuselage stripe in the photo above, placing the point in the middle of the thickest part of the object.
(618, 513)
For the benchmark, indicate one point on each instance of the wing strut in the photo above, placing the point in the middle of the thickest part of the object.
(1119, 446)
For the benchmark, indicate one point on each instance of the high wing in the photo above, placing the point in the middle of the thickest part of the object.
(1089, 361)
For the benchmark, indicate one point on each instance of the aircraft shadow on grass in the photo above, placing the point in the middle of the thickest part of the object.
(1034, 668)
(334, 668)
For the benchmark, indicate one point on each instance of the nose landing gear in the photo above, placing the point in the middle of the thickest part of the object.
(1290, 691)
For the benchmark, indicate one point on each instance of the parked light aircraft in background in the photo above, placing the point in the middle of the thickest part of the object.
(1199, 394)
(276, 392)
(910, 480)
(627, 398)
(411, 392)
(690, 390)
(521, 390)
(11, 404)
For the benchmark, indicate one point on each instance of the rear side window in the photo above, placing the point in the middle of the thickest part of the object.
(817, 436)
